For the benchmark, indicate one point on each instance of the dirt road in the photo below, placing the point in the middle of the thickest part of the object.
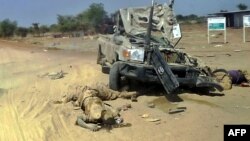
(27, 111)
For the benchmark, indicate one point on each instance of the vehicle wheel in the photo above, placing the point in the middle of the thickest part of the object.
(105, 69)
(222, 76)
(114, 77)
(99, 55)
(220, 70)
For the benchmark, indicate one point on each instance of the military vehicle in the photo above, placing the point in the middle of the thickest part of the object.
(141, 49)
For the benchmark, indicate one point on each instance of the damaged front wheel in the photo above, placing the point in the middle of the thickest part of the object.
(115, 77)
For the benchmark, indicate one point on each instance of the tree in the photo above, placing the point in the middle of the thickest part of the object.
(67, 23)
(36, 30)
(192, 17)
(44, 29)
(22, 31)
(188, 18)
(180, 17)
(93, 16)
(7, 28)
(53, 28)
(242, 6)
(90, 19)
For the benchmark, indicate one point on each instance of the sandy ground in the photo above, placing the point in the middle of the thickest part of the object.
(27, 111)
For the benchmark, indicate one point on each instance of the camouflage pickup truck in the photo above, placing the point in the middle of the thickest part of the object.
(140, 49)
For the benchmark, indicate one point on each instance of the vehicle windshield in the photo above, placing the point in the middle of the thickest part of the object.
(156, 39)
(135, 20)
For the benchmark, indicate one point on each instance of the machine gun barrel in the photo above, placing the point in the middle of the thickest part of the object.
(150, 20)
(148, 36)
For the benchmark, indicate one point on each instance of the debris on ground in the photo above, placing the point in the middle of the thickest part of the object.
(237, 50)
(218, 46)
(150, 119)
(212, 55)
(56, 75)
(153, 119)
(151, 105)
(145, 115)
(124, 107)
(176, 110)
(53, 75)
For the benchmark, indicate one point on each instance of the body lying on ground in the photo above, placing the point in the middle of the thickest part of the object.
(95, 111)
(239, 77)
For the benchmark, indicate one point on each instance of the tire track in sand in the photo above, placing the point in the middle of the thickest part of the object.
(14, 118)
(58, 122)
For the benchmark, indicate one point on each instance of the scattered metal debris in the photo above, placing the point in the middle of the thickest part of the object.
(53, 75)
(153, 119)
(150, 119)
(177, 110)
(56, 75)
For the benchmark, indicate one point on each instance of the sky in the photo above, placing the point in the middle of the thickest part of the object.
(26, 12)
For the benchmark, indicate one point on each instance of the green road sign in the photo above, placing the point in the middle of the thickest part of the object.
(217, 23)
(216, 26)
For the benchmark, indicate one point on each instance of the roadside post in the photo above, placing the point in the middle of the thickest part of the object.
(246, 23)
(216, 24)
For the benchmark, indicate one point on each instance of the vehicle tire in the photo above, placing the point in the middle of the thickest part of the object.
(114, 77)
(105, 69)
(222, 76)
(99, 55)
(220, 70)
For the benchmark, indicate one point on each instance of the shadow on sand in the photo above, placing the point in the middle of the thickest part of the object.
(158, 90)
